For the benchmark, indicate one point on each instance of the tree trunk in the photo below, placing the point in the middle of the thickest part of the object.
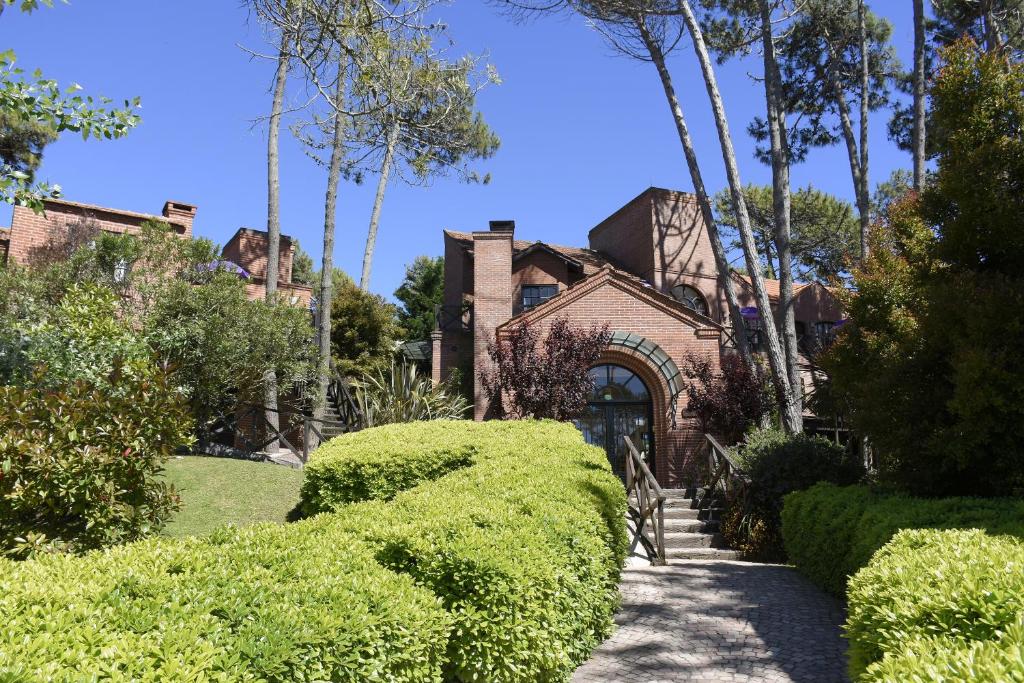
(864, 191)
(725, 280)
(274, 215)
(781, 207)
(919, 104)
(776, 358)
(378, 201)
(330, 221)
(990, 27)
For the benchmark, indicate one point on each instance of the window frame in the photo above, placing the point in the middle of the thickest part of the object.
(539, 298)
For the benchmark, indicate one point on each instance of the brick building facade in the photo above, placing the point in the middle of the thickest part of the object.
(649, 273)
(34, 238)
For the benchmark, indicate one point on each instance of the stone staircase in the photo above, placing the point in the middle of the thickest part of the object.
(692, 534)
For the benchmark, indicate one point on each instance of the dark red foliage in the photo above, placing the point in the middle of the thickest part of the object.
(729, 402)
(534, 379)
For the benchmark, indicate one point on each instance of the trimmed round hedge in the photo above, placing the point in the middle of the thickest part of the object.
(268, 603)
(499, 561)
(939, 605)
(934, 587)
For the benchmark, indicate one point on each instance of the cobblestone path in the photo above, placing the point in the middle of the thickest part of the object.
(720, 621)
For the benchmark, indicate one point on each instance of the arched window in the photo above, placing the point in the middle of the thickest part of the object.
(616, 383)
(691, 298)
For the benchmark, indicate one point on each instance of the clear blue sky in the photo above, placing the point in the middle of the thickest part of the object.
(583, 131)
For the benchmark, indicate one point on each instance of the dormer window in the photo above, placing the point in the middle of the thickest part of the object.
(691, 298)
(537, 294)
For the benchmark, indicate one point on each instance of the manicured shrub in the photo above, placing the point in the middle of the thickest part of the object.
(375, 464)
(777, 463)
(523, 548)
(830, 532)
(302, 602)
(503, 569)
(939, 605)
(78, 467)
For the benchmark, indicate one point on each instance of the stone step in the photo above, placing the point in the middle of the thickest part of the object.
(700, 554)
(679, 540)
(691, 514)
(674, 526)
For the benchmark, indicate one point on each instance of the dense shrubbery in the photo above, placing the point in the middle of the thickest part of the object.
(80, 466)
(523, 548)
(939, 605)
(302, 602)
(777, 464)
(503, 570)
(375, 464)
(937, 587)
(831, 532)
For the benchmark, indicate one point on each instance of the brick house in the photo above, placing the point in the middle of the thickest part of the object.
(648, 272)
(33, 238)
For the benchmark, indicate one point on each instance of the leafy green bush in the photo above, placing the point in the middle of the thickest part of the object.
(776, 464)
(302, 602)
(831, 532)
(504, 569)
(939, 605)
(375, 464)
(523, 547)
(79, 467)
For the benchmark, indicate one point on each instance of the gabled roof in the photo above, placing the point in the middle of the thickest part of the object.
(541, 247)
(589, 260)
(623, 281)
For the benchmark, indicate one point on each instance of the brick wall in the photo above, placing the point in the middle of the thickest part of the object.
(626, 310)
(492, 302)
(35, 237)
(537, 268)
(627, 236)
(248, 248)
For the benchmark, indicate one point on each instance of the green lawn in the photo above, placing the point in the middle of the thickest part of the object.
(215, 491)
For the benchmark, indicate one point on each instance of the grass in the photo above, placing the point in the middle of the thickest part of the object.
(216, 491)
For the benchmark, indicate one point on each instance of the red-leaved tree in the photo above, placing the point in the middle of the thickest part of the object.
(535, 379)
(729, 402)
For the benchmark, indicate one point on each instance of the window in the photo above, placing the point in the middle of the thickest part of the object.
(615, 383)
(823, 328)
(691, 298)
(537, 294)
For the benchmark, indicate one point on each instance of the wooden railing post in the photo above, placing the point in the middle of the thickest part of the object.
(650, 504)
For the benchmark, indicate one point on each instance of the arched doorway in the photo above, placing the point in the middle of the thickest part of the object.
(620, 405)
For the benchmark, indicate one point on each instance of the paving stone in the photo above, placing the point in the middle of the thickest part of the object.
(719, 621)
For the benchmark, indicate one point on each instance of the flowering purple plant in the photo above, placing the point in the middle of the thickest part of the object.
(226, 266)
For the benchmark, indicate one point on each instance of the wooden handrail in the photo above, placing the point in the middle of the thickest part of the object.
(724, 475)
(649, 510)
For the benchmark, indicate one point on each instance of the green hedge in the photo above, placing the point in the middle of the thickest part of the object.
(375, 464)
(523, 548)
(502, 570)
(937, 587)
(301, 602)
(939, 605)
(830, 532)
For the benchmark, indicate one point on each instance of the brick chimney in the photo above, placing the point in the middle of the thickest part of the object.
(179, 213)
(492, 298)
